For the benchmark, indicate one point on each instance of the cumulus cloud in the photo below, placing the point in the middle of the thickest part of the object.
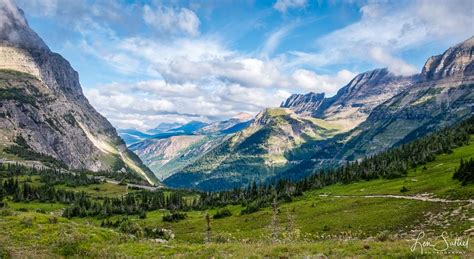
(172, 20)
(328, 84)
(395, 65)
(144, 104)
(283, 5)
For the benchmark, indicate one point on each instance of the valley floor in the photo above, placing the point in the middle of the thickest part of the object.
(364, 219)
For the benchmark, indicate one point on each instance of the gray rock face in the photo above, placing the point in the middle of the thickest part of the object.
(354, 102)
(304, 104)
(455, 62)
(43, 102)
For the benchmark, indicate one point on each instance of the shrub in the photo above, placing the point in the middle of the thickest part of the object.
(27, 222)
(250, 208)
(383, 236)
(130, 227)
(161, 233)
(222, 213)
(40, 210)
(53, 220)
(174, 217)
(326, 228)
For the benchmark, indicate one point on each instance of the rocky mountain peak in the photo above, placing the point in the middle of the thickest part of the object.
(48, 108)
(457, 61)
(304, 104)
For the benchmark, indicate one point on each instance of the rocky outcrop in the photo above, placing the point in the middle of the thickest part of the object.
(42, 102)
(455, 63)
(304, 104)
(353, 103)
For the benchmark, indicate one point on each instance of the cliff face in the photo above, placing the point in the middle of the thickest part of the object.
(443, 95)
(304, 104)
(42, 102)
(353, 103)
(454, 64)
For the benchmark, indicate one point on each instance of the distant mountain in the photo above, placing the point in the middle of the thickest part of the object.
(165, 156)
(253, 153)
(443, 95)
(43, 112)
(353, 103)
(375, 111)
(164, 127)
(232, 125)
(131, 136)
(189, 127)
(170, 151)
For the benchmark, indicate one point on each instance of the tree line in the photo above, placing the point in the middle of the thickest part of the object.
(389, 164)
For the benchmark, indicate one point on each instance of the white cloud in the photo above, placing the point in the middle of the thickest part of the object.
(386, 29)
(145, 104)
(172, 20)
(284, 5)
(328, 84)
(8, 10)
(395, 65)
(276, 37)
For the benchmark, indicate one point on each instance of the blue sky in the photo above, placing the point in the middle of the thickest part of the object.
(146, 62)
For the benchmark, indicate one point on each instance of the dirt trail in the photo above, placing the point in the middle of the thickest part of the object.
(417, 197)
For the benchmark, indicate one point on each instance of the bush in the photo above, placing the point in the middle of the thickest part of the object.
(326, 228)
(222, 213)
(130, 227)
(404, 189)
(40, 210)
(6, 212)
(69, 244)
(27, 222)
(465, 172)
(383, 236)
(250, 208)
(174, 217)
(161, 233)
(53, 220)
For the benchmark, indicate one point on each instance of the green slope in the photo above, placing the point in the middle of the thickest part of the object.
(317, 223)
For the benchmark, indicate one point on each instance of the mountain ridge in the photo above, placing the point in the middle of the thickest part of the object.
(362, 129)
(43, 103)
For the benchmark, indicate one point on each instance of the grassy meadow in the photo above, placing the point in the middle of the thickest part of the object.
(318, 223)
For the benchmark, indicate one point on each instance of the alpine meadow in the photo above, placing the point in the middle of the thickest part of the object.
(236, 129)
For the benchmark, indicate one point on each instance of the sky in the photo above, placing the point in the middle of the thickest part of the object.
(143, 62)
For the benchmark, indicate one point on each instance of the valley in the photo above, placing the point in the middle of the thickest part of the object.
(259, 136)
(364, 218)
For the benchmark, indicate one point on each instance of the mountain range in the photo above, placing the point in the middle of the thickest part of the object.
(43, 112)
(168, 151)
(45, 117)
(375, 111)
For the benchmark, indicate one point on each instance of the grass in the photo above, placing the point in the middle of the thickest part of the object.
(435, 179)
(42, 238)
(310, 225)
(100, 190)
